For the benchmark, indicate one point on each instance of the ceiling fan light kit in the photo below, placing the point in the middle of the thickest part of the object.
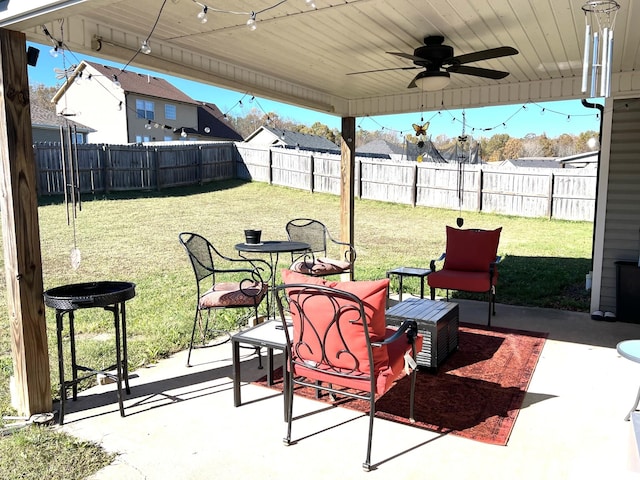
(432, 81)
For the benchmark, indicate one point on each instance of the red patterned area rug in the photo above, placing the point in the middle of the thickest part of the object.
(476, 393)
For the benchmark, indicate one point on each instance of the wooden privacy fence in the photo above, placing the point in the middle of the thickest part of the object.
(567, 194)
(111, 168)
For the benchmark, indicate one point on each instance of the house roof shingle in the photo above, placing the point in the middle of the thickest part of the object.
(143, 84)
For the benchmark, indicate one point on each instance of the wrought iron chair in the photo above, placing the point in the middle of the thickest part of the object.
(315, 261)
(223, 282)
(340, 344)
(470, 264)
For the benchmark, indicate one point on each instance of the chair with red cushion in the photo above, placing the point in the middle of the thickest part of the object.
(340, 343)
(316, 261)
(470, 264)
(222, 282)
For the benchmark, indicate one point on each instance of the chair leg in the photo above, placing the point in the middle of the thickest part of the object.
(372, 413)
(289, 405)
(432, 291)
(193, 333)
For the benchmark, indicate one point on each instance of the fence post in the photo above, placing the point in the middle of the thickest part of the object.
(270, 166)
(200, 167)
(312, 169)
(550, 196)
(480, 185)
(107, 168)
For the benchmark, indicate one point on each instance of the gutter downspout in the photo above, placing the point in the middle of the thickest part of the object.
(588, 104)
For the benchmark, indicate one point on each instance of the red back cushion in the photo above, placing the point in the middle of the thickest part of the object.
(471, 250)
(372, 293)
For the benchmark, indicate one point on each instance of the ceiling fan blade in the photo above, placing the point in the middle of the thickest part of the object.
(482, 55)
(383, 70)
(410, 57)
(413, 83)
(477, 72)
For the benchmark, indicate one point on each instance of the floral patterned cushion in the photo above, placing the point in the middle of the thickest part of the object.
(229, 294)
(321, 266)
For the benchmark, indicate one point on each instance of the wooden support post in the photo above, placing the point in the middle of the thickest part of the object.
(347, 181)
(20, 232)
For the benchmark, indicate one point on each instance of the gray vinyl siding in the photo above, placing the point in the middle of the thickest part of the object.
(622, 224)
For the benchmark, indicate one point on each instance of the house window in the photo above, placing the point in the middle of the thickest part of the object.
(145, 109)
(140, 139)
(168, 138)
(79, 138)
(169, 111)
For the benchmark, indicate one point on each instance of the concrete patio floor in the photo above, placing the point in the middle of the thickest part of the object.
(181, 423)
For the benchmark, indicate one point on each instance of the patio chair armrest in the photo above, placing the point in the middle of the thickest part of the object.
(408, 330)
(432, 263)
(350, 251)
(493, 266)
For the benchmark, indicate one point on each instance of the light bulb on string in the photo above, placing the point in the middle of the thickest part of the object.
(116, 82)
(251, 23)
(542, 111)
(54, 52)
(145, 48)
(148, 125)
(183, 134)
(568, 118)
(310, 4)
(202, 16)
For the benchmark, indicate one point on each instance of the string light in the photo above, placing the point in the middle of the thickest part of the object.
(116, 82)
(251, 23)
(145, 48)
(202, 16)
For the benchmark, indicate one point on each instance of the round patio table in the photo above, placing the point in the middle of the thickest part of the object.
(630, 349)
(108, 295)
(274, 248)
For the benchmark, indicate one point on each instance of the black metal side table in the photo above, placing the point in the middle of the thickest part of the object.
(108, 295)
(402, 272)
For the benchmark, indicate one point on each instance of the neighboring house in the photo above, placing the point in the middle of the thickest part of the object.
(530, 162)
(129, 107)
(580, 160)
(45, 126)
(382, 149)
(276, 137)
(212, 123)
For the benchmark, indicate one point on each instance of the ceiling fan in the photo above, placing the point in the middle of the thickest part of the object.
(438, 62)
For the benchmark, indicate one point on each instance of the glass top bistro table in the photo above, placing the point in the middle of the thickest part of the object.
(630, 349)
(274, 248)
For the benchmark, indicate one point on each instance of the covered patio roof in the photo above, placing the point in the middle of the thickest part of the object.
(303, 55)
(302, 52)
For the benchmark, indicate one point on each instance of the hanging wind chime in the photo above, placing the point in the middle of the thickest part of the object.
(461, 148)
(71, 182)
(600, 19)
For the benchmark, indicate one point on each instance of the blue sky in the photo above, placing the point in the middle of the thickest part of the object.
(550, 118)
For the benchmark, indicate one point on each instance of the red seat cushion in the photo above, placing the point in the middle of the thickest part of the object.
(230, 294)
(321, 266)
(373, 295)
(464, 281)
(471, 250)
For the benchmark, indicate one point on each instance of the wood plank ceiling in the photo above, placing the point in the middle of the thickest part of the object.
(303, 56)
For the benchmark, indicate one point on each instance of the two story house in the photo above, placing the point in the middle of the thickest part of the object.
(129, 107)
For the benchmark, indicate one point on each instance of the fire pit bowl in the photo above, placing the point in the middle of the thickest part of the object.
(88, 295)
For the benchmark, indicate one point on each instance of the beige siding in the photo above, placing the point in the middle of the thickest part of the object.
(622, 224)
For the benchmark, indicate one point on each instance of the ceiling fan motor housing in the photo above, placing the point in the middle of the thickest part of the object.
(433, 55)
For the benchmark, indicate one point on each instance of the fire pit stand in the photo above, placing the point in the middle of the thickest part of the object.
(110, 296)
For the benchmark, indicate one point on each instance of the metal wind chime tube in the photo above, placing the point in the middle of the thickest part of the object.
(600, 19)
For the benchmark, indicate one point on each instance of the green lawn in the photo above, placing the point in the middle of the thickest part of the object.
(135, 238)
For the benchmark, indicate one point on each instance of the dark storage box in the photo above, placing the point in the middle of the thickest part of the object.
(627, 292)
(437, 322)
